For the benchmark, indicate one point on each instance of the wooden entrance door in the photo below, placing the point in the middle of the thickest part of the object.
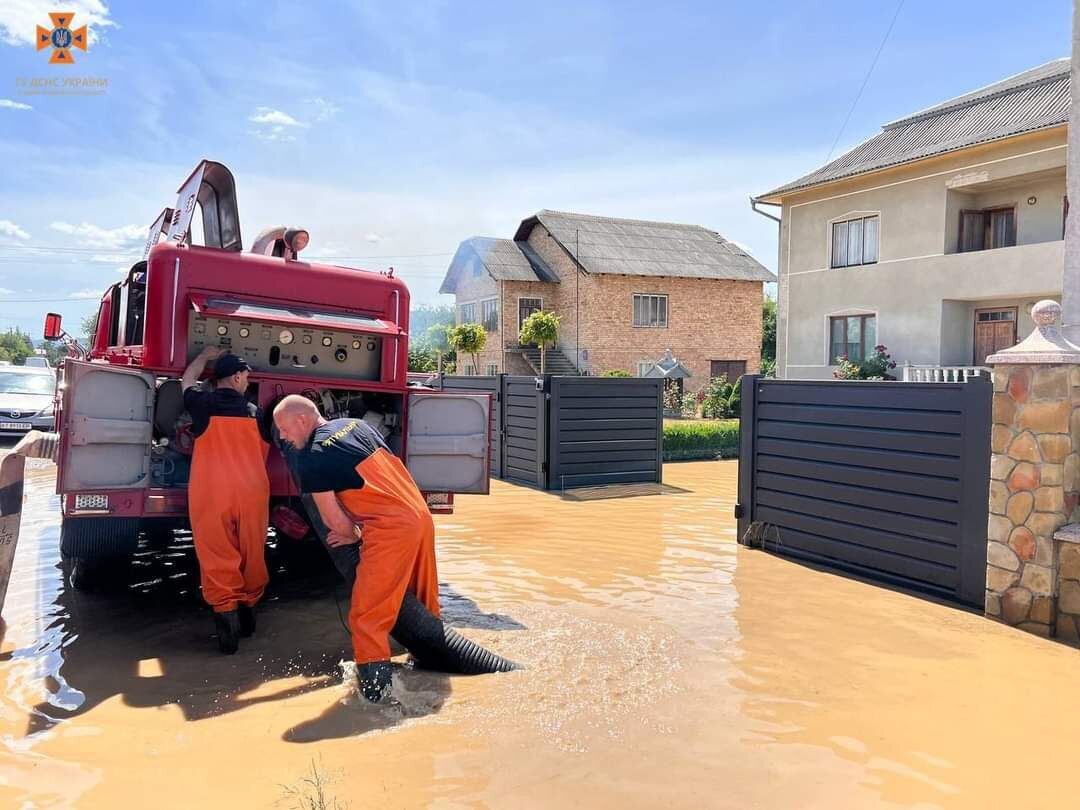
(995, 329)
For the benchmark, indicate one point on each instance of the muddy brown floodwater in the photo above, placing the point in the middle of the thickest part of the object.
(666, 667)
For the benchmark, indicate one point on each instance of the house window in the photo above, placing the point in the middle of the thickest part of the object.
(467, 313)
(643, 367)
(470, 370)
(489, 314)
(650, 310)
(852, 336)
(855, 241)
(492, 369)
(987, 229)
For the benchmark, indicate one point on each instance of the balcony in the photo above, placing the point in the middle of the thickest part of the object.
(945, 374)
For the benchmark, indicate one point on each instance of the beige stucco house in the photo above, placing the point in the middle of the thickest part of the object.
(934, 237)
(627, 291)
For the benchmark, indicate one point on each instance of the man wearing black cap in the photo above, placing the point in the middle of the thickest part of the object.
(228, 493)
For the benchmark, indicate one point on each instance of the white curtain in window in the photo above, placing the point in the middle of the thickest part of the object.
(870, 240)
(839, 244)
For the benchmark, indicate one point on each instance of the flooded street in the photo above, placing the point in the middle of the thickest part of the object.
(666, 666)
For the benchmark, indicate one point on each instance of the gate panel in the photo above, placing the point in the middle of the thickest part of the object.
(605, 431)
(524, 417)
(886, 480)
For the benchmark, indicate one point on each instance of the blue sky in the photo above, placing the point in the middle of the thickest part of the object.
(392, 131)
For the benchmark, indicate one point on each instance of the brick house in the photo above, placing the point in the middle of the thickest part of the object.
(627, 291)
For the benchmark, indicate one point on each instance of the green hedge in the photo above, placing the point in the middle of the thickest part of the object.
(706, 439)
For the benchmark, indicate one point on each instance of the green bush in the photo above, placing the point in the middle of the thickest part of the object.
(617, 372)
(876, 367)
(687, 440)
(720, 399)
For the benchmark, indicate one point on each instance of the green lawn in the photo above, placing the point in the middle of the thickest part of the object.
(700, 438)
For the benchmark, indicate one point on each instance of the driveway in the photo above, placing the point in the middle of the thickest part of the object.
(667, 666)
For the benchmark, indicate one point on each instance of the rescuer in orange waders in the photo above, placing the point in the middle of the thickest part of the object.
(228, 494)
(359, 485)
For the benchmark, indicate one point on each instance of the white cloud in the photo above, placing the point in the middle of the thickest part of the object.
(10, 229)
(89, 235)
(5, 291)
(373, 237)
(80, 294)
(19, 19)
(8, 104)
(324, 110)
(276, 118)
(112, 258)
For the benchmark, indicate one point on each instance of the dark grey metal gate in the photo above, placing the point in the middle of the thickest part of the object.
(604, 431)
(886, 480)
(489, 385)
(524, 420)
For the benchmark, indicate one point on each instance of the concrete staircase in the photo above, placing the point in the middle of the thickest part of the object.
(556, 362)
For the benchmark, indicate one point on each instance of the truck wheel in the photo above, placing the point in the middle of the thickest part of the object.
(91, 538)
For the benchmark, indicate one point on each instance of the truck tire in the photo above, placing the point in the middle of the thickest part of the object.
(91, 538)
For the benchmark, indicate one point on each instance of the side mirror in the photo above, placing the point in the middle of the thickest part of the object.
(53, 331)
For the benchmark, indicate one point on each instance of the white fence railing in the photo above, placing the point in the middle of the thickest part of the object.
(946, 374)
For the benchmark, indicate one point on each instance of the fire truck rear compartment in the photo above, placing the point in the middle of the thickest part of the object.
(170, 451)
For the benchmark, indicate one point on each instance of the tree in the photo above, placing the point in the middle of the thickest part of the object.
(55, 351)
(89, 326)
(15, 346)
(437, 337)
(541, 328)
(422, 318)
(768, 331)
(470, 339)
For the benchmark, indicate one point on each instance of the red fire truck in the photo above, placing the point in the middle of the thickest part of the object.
(337, 335)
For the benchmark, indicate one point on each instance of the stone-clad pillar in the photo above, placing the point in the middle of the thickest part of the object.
(1035, 472)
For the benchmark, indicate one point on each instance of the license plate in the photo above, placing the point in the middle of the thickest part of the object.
(15, 426)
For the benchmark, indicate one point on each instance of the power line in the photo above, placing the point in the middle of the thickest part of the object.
(865, 80)
(129, 252)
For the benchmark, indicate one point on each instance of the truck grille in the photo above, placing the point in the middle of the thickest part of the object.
(91, 501)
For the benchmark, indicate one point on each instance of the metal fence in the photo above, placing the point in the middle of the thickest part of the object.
(885, 480)
(561, 432)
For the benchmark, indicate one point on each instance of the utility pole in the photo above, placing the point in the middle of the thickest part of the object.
(1070, 279)
(577, 296)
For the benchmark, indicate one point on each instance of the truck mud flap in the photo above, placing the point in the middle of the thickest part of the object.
(92, 538)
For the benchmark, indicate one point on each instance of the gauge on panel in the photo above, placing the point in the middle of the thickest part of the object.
(327, 340)
(222, 329)
(244, 331)
(306, 339)
(356, 344)
(286, 336)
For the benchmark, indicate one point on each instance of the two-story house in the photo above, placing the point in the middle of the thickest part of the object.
(627, 291)
(934, 237)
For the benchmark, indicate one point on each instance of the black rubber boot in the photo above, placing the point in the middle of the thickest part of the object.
(228, 631)
(247, 620)
(375, 680)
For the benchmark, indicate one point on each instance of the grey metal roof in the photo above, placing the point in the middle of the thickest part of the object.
(635, 247)
(1032, 100)
(504, 259)
(669, 368)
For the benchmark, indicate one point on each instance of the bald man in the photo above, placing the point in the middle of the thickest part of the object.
(365, 495)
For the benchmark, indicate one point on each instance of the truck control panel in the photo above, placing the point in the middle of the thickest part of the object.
(285, 349)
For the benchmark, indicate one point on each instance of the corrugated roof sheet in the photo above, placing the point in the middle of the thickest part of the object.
(641, 248)
(504, 259)
(1032, 100)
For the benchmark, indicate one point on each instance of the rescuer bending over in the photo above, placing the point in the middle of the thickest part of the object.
(358, 484)
(228, 494)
